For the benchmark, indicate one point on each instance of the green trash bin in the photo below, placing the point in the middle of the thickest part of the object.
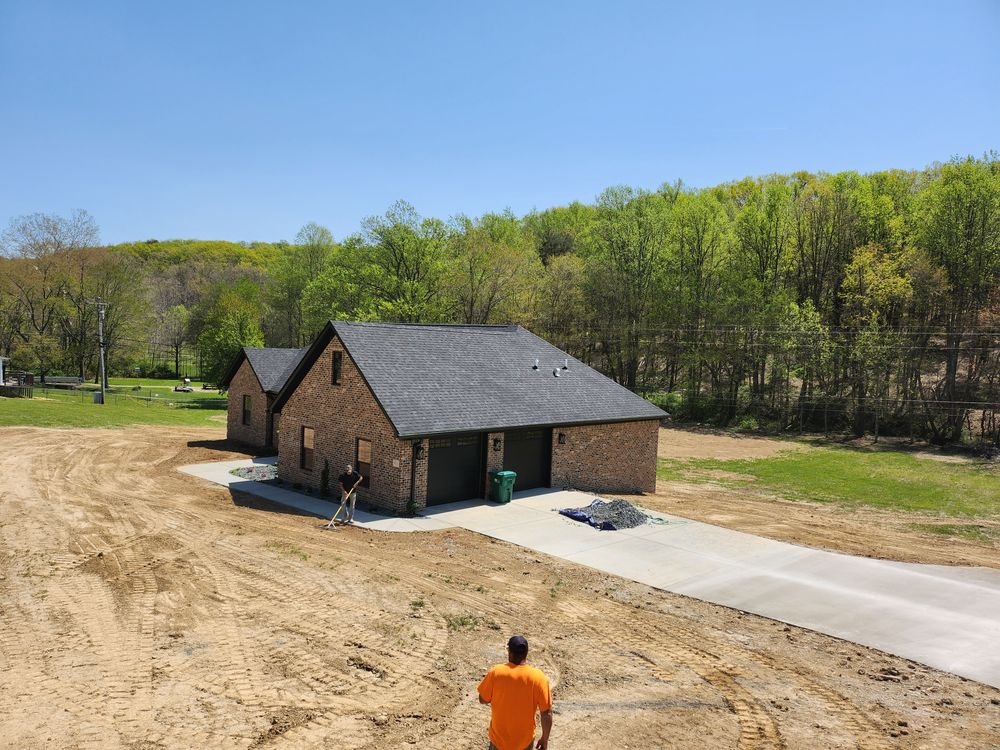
(502, 485)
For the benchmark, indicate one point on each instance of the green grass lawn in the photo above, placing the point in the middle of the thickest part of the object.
(971, 531)
(883, 479)
(75, 409)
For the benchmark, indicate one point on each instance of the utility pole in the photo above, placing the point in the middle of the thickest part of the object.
(101, 307)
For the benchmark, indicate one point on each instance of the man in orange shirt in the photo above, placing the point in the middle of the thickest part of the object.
(514, 691)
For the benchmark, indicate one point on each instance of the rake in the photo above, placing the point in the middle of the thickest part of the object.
(343, 504)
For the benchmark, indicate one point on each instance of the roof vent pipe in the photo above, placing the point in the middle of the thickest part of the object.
(566, 364)
(535, 367)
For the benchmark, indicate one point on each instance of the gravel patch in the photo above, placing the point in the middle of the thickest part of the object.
(257, 472)
(608, 515)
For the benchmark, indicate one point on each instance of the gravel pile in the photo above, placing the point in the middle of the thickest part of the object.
(611, 514)
(257, 472)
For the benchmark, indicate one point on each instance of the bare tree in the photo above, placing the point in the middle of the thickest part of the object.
(41, 247)
(37, 236)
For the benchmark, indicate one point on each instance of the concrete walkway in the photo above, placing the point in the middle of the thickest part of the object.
(945, 617)
(218, 472)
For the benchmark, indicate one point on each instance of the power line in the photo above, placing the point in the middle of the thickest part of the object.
(582, 326)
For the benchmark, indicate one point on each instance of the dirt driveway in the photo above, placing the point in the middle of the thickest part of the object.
(143, 608)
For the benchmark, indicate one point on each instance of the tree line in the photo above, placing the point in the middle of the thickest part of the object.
(867, 302)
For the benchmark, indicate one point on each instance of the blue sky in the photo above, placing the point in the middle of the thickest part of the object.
(245, 120)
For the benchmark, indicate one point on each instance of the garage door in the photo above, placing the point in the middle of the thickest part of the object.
(455, 469)
(529, 453)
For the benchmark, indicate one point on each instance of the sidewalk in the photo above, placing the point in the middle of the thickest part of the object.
(218, 473)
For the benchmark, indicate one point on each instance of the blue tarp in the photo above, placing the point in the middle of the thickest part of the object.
(581, 515)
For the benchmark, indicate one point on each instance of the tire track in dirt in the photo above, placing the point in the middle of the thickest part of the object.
(869, 736)
(758, 728)
(133, 586)
(298, 589)
(690, 648)
(375, 652)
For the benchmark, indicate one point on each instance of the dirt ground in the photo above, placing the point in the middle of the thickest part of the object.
(144, 608)
(865, 531)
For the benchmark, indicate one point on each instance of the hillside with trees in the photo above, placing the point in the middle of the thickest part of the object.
(868, 303)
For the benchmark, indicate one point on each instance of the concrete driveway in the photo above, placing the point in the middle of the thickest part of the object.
(945, 617)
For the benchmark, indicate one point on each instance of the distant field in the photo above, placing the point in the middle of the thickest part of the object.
(161, 392)
(883, 479)
(65, 408)
(151, 382)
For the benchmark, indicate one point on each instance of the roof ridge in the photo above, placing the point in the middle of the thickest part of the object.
(465, 326)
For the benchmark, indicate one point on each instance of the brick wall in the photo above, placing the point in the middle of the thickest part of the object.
(340, 414)
(494, 461)
(419, 476)
(616, 457)
(255, 433)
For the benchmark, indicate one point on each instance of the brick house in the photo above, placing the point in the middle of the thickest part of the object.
(253, 381)
(425, 412)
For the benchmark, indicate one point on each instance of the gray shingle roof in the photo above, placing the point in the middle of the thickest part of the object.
(439, 379)
(273, 366)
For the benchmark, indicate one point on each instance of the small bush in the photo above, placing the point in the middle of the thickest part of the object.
(462, 622)
(670, 401)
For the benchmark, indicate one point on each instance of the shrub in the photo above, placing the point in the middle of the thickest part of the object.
(670, 401)
(462, 622)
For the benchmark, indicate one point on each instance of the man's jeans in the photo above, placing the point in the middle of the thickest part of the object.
(349, 506)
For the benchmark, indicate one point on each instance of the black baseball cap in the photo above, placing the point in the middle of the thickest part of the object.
(518, 644)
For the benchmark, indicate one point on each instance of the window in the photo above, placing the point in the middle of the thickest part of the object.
(306, 453)
(363, 460)
(338, 368)
(246, 409)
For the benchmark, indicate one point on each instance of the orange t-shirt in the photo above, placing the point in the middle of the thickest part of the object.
(514, 692)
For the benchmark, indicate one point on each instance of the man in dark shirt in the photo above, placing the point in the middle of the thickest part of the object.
(349, 482)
